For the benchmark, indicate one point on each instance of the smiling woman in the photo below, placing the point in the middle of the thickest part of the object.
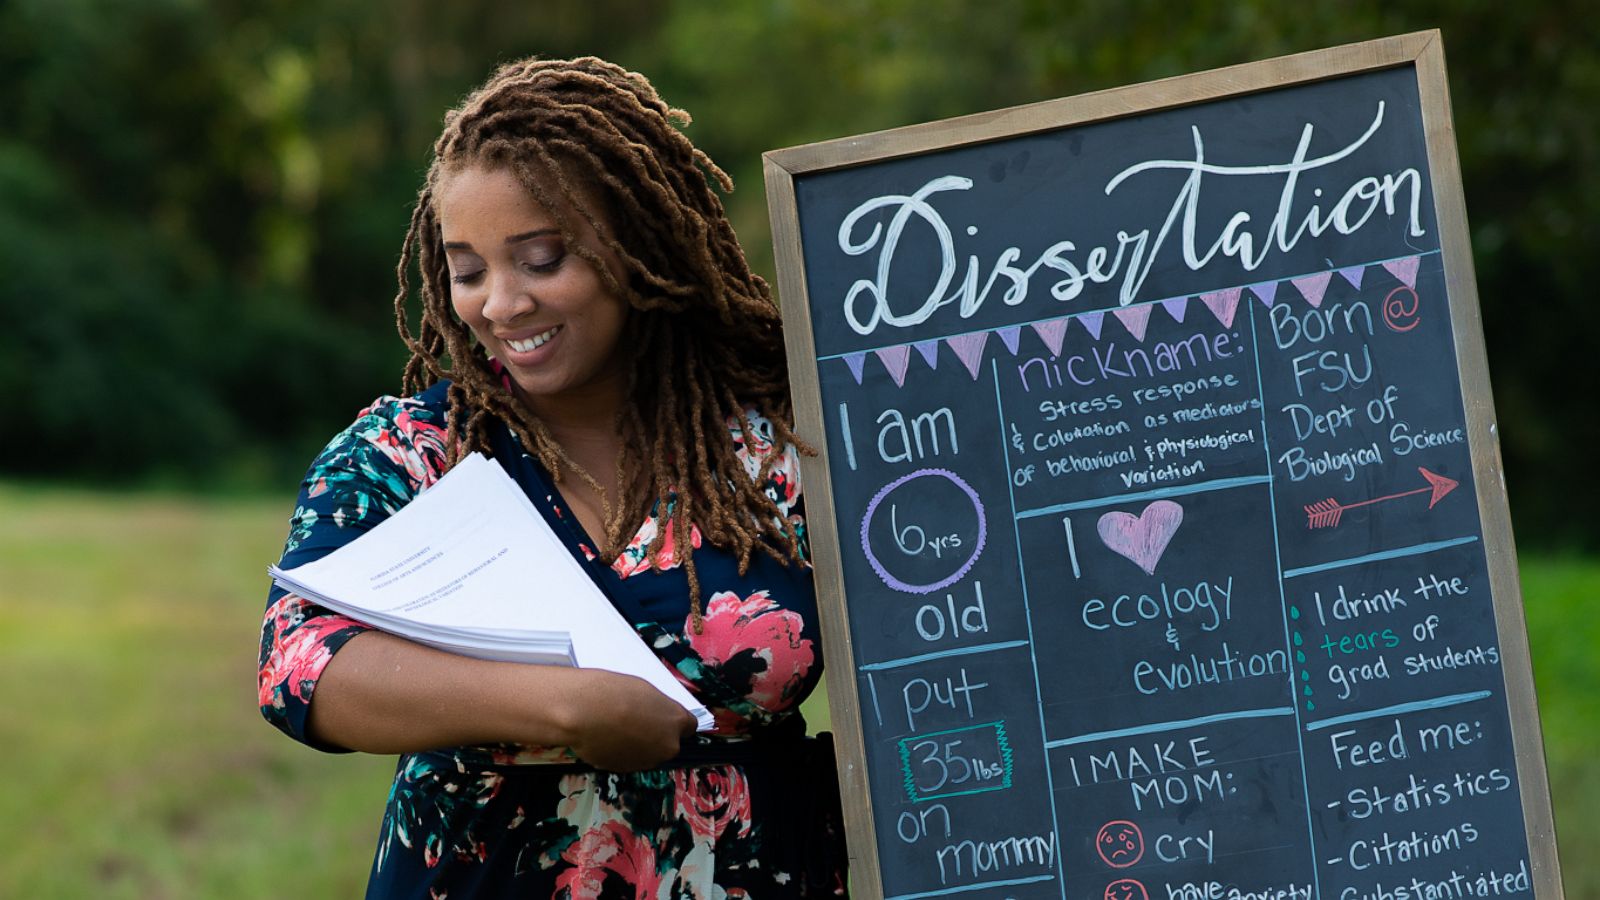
(590, 322)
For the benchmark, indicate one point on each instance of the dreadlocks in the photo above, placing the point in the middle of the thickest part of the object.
(562, 125)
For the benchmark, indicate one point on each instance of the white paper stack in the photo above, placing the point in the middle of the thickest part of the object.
(469, 566)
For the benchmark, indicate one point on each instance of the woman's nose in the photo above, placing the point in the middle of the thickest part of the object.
(509, 298)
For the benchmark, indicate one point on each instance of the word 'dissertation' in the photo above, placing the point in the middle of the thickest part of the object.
(871, 302)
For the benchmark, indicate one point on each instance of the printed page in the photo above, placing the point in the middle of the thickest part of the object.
(471, 566)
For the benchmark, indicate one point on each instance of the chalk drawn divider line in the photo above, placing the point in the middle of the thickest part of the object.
(1220, 484)
(964, 888)
(1175, 725)
(1414, 550)
(1401, 709)
(939, 654)
(1283, 600)
(1027, 615)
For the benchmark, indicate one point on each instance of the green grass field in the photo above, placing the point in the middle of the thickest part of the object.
(139, 768)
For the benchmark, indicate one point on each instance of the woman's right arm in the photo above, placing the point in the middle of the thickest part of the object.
(380, 693)
(385, 694)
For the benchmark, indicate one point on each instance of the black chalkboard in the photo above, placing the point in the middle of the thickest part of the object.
(1159, 522)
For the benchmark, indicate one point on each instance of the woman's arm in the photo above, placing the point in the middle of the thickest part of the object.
(373, 691)
(385, 694)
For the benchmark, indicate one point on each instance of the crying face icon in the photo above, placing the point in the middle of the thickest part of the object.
(1120, 844)
(1126, 889)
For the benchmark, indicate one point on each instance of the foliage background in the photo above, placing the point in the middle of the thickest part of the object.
(201, 206)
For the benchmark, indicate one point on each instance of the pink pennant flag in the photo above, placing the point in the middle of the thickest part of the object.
(855, 361)
(1266, 291)
(969, 349)
(1051, 331)
(895, 359)
(1091, 322)
(1176, 307)
(1353, 275)
(1405, 270)
(929, 351)
(1223, 304)
(1134, 318)
(1312, 287)
(1010, 337)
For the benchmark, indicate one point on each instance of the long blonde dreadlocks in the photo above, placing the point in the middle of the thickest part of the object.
(706, 329)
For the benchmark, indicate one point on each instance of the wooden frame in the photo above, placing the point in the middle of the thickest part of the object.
(1424, 51)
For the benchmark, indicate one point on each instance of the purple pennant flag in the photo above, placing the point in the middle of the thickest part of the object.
(1176, 307)
(1010, 337)
(1312, 287)
(1051, 331)
(1405, 270)
(1353, 275)
(1134, 318)
(855, 361)
(929, 351)
(969, 349)
(1091, 322)
(1223, 304)
(895, 359)
(1266, 291)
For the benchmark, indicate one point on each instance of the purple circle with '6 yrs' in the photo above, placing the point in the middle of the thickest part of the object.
(977, 548)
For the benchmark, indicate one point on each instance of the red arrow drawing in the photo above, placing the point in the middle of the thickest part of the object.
(1326, 513)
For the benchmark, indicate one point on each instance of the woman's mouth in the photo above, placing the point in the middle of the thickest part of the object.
(530, 344)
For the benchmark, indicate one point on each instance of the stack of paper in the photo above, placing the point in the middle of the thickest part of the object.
(470, 566)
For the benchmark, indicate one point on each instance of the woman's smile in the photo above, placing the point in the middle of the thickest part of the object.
(528, 345)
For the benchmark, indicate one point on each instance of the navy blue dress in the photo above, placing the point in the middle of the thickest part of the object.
(750, 810)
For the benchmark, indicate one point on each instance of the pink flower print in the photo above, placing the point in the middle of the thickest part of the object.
(425, 458)
(609, 848)
(758, 626)
(299, 649)
(633, 559)
(711, 798)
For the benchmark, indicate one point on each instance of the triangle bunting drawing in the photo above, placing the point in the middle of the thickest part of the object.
(1312, 287)
(969, 349)
(1405, 270)
(855, 361)
(1223, 304)
(1092, 322)
(896, 359)
(1051, 331)
(1134, 318)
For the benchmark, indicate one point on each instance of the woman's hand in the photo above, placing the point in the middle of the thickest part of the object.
(621, 723)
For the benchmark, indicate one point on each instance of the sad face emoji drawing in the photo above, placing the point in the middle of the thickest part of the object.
(1126, 889)
(1120, 844)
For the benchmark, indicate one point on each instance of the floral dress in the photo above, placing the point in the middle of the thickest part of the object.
(749, 810)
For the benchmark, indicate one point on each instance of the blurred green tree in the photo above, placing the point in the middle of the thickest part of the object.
(201, 203)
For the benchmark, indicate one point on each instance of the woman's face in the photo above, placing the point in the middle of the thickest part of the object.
(534, 304)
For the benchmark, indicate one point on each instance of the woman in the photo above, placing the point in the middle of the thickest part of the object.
(589, 321)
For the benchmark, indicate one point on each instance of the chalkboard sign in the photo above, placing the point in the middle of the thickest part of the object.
(1159, 521)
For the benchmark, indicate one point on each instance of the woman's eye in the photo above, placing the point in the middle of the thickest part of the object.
(544, 257)
(466, 277)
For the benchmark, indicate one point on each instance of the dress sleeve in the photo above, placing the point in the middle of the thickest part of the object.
(366, 472)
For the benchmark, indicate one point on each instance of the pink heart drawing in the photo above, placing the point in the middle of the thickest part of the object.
(1142, 538)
